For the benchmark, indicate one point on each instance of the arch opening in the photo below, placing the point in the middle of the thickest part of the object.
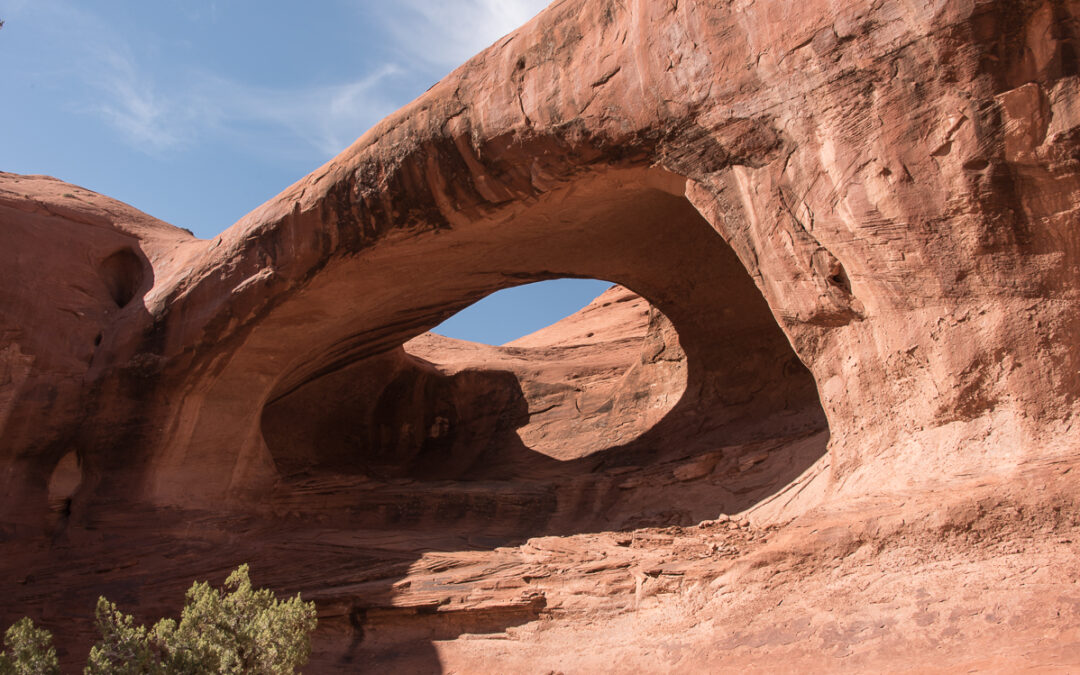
(596, 379)
(449, 408)
(511, 314)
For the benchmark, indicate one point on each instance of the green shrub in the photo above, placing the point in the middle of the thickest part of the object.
(28, 651)
(244, 630)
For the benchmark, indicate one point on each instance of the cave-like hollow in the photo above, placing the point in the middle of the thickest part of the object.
(414, 442)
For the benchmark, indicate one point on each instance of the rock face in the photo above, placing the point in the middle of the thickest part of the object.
(851, 225)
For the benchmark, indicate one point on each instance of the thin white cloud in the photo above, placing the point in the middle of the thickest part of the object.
(327, 118)
(192, 107)
(130, 104)
(448, 33)
(102, 76)
(158, 112)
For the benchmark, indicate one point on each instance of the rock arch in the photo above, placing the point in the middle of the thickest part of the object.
(630, 225)
(791, 188)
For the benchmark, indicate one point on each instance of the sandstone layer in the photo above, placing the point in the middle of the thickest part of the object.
(853, 227)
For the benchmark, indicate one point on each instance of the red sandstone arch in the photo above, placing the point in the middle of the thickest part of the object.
(630, 225)
(516, 142)
(811, 201)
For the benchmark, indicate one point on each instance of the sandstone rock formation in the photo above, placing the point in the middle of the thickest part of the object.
(853, 223)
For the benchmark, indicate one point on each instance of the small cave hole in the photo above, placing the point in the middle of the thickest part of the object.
(123, 274)
(63, 483)
(839, 278)
(831, 270)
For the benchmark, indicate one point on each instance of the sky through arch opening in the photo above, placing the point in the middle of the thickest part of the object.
(512, 313)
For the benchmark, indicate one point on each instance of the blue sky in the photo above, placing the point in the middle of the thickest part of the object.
(197, 111)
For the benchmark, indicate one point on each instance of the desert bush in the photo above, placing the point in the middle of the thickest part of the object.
(238, 629)
(28, 650)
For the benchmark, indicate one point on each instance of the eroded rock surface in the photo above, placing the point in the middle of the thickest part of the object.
(854, 228)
